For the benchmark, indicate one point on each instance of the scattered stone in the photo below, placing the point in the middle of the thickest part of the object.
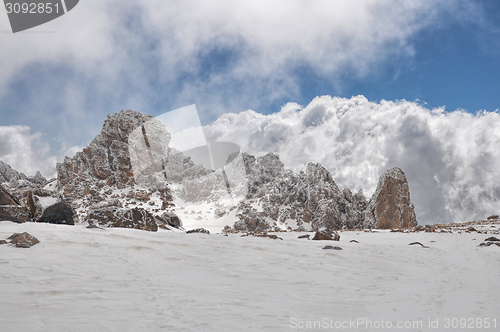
(413, 243)
(493, 217)
(332, 247)
(3, 242)
(326, 235)
(23, 240)
(198, 230)
(492, 239)
(471, 229)
(305, 236)
(271, 236)
(487, 244)
(354, 241)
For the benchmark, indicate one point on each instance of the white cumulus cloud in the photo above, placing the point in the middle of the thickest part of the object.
(451, 159)
(29, 153)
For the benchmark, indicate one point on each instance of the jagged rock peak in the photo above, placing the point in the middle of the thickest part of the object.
(107, 156)
(390, 205)
(119, 126)
(7, 173)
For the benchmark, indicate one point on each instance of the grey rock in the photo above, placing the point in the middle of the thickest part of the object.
(332, 247)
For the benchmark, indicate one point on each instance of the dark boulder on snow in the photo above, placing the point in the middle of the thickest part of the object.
(487, 244)
(168, 220)
(418, 243)
(332, 247)
(23, 240)
(492, 238)
(58, 213)
(305, 236)
(198, 230)
(326, 235)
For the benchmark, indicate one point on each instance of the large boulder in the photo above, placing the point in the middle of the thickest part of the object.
(390, 205)
(168, 219)
(112, 216)
(326, 235)
(58, 213)
(6, 198)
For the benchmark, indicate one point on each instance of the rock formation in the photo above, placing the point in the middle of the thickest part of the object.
(124, 167)
(390, 205)
(313, 200)
(124, 178)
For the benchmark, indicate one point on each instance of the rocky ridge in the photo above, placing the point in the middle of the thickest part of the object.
(313, 201)
(128, 176)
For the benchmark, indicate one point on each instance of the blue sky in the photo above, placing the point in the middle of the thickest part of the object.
(62, 78)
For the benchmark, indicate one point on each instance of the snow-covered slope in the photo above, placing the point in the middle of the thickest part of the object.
(79, 279)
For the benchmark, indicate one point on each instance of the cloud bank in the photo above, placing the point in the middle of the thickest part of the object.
(155, 55)
(29, 153)
(451, 159)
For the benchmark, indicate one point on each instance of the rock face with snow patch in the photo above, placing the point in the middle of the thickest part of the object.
(390, 205)
(128, 161)
(112, 216)
(6, 198)
(106, 159)
(311, 199)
